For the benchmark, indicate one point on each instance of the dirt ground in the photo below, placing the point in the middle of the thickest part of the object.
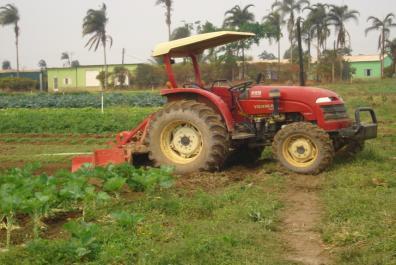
(300, 218)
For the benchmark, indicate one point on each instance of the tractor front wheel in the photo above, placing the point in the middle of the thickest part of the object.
(188, 135)
(303, 148)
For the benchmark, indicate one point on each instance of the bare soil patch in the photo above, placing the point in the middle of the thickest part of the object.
(301, 216)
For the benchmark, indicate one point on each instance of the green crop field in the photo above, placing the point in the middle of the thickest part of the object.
(246, 214)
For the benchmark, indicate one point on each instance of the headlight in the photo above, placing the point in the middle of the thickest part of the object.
(324, 100)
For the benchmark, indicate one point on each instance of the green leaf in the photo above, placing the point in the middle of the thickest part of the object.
(114, 184)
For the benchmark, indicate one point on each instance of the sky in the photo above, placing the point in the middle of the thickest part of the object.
(50, 27)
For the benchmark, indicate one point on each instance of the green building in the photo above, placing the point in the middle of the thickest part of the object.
(367, 66)
(81, 78)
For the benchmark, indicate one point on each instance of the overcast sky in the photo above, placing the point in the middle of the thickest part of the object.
(50, 27)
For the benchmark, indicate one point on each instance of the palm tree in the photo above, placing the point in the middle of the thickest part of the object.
(290, 8)
(9, 15)
(74, 63)
(338, 17)
(317, 26)
(235, 18)
(391, 49)
(6, 65)
(384, 26)
(42, 64)
(182, 32)
(65, 56)
(275, 20)
(94, 24)
(168, 14)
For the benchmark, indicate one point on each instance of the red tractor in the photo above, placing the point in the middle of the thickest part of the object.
(201, 126)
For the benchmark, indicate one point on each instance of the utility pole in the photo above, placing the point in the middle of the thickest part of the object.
(300, 53)
(332, 64)
(123, 56)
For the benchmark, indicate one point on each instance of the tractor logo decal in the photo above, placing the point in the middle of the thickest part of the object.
(264, 106)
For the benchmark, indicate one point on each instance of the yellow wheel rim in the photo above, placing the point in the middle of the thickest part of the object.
(181, 142)
(300, 151)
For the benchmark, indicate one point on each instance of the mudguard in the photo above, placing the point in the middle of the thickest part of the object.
(216, 101)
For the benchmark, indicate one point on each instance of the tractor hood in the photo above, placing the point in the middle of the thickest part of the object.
(307, 95)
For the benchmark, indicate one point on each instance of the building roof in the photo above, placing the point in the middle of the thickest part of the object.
(198, 43)
(21, 71)
(93, 66)
(363, 58)
(282, 61)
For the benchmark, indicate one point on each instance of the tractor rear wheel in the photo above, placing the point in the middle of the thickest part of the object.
(188, 135)
(303, 148)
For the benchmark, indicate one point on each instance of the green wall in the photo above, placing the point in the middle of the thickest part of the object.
(375, 67)
(75, 77)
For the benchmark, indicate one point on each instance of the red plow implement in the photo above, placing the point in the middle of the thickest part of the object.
(122, 150)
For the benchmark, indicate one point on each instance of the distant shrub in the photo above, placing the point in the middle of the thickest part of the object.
(17, 84)
(389, 71)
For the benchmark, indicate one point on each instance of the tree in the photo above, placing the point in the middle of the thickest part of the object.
(391, 49)
(75, 63)
(384, 26)
(6, 65)
(182, 32)
(42, 64)
(149, 75)
(94, 25)
(168, 13)
(120, 73)
(9, 15)
(338, 17)
(267, 56)
(65, 56)
(236, 18)
(275, 21)
(317, 25)
(290, 8)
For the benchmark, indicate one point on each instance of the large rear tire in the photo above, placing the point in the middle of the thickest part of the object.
(303, 148)
(188, 135)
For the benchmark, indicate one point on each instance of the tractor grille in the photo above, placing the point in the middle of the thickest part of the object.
(334, 112)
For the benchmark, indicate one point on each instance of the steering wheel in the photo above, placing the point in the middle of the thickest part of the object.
(192, 85)
(241, 87)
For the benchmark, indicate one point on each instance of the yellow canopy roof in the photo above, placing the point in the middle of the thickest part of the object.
(198, 43)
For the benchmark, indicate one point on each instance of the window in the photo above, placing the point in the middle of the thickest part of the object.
(368, 72)
(55, 83)
(67, 81)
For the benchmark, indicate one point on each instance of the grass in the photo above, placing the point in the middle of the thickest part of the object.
(215, 219)
(359, 193)
(233, 224)
(86, 120)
